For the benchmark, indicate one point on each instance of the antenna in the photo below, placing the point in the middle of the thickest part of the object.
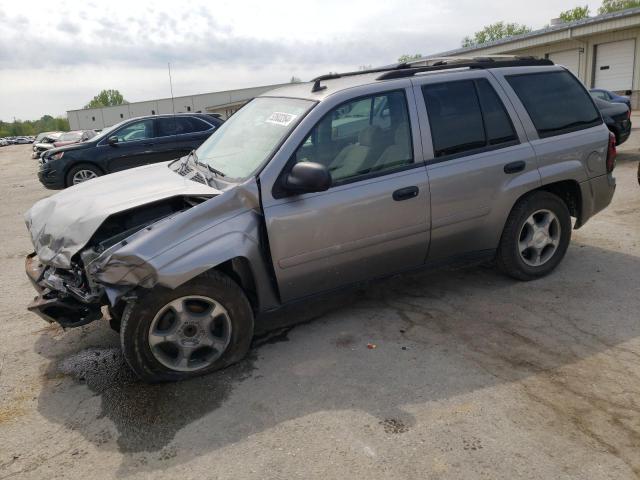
(173, 103)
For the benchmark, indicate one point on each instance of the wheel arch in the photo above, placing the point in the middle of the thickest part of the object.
(78, 163)
(567, 190)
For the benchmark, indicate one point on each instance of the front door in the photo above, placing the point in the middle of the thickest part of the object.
(135, 146)
(374, 220)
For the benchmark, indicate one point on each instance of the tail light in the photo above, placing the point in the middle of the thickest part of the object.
(629, 114)
(611, 153)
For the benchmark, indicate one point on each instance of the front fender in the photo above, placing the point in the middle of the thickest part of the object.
(189, 244)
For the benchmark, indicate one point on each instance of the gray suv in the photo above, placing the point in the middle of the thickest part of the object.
(316, 186)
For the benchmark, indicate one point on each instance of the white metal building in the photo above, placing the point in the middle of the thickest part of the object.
(224, 103)
(601, 50)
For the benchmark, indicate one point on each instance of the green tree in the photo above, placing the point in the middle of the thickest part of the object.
(577, 13)
(495, 31)
(409, 58)
(106, 98)
(609, 6)
(46, 123)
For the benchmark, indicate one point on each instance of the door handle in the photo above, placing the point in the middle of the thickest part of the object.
(405, 193)
(515, 167)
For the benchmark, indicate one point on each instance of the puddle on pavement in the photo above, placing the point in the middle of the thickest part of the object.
(147, 417)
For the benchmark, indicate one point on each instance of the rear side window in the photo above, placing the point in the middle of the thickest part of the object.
(555, 101)
(165, 127)
(190, 125)
(466, 116)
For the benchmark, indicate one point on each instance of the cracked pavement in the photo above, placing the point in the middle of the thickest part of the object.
(473, 375)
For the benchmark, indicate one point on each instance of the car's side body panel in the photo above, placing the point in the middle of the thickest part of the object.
(351, 232)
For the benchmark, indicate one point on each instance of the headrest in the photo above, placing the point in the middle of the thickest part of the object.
(402, 134)
(368, 135)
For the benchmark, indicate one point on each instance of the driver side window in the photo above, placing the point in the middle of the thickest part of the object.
(362, 137)
(136, 131)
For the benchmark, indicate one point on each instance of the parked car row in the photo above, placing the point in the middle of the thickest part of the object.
(616, 112)
(5, 141)
(310, 188)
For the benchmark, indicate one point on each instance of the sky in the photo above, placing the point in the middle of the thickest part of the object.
(55, 56)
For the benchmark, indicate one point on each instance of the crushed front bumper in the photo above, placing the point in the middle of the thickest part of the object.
(51, 306)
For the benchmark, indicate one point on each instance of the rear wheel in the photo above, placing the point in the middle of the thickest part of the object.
(82, 173)
(201, 326)
(536, 236)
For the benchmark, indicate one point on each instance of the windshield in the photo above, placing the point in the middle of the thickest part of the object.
(241, 144)
(107, 131)
(70, 137)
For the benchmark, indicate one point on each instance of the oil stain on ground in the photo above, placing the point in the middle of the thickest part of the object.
(148, 417)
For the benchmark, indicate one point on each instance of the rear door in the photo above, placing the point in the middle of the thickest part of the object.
(478, 160)
(177, 136)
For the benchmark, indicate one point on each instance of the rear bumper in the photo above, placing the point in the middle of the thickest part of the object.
(624, 132)
(597, 193)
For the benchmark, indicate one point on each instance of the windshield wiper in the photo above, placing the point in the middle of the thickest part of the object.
(578, 123)
(215, 171)
(202, 164)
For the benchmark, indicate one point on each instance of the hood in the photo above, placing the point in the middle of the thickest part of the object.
(66, 147)
(61, 225)
(65, 143)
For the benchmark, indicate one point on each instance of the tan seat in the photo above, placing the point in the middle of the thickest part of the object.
(352, 158)
(397, 154)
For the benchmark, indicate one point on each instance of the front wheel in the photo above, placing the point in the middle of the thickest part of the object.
(200, 327)
(82, 173)
(535, 237)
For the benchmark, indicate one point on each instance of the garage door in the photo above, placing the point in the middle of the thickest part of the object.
(614, 65)
(568, 58)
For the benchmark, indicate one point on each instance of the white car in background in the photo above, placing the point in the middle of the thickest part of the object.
(44, 142)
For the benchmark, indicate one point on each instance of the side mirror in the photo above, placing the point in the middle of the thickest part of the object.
(112, 140)
(308, 177)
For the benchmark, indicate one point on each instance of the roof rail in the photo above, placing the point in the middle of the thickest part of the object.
(331, 76)
(448, 63)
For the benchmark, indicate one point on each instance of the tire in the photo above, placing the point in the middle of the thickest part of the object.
(142, 320)
(78, 169)
(115, 315)
(527, 217)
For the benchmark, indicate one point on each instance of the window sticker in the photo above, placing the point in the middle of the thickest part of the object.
(281, 118)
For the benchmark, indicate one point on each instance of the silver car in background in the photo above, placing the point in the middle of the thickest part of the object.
(316, 186)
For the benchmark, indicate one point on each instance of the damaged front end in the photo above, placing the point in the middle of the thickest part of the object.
(71, 296)
(74, 228)
(63, 295)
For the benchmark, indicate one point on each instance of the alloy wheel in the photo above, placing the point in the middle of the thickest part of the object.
(190, 333)
(539, 238)
(83, 175)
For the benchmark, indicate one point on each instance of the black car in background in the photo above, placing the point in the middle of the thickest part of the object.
(128, 144)
(617, 117)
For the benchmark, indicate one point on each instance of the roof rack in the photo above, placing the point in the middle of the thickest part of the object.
(331, 76)
(408, 69)
(448, 63)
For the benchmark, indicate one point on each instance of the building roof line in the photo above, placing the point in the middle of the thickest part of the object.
(275, 85)
(543, 31)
